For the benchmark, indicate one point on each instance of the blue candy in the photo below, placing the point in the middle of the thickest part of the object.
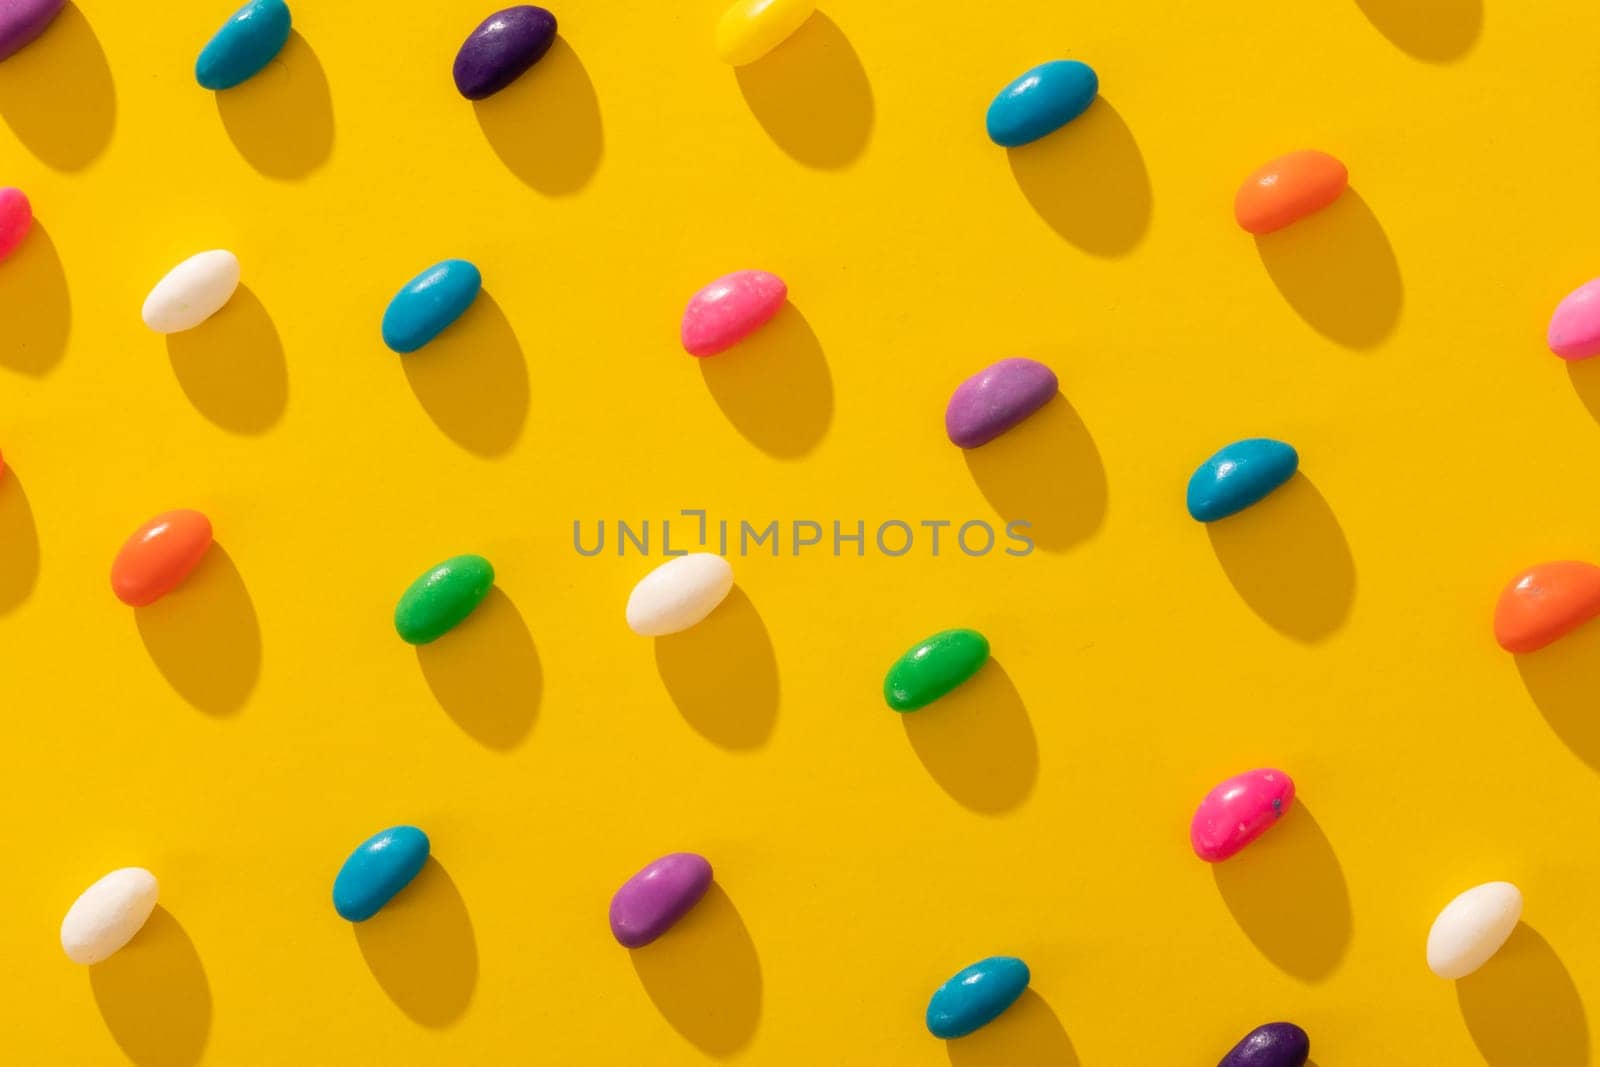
(976, 996)
(383, 865)
(1041, 101)
(430, 302)
(1239, 475)
(245, 44)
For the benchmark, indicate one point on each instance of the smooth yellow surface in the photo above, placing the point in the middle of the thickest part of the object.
(239, 738)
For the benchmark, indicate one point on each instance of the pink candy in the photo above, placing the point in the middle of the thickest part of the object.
(1575, 327)
(1238, 811)
(15, 218)
(730, 309)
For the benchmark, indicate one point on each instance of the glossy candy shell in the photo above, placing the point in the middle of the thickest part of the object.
(1574, 331)
(380, 867)
(1238, 811)
(996, 399)
(1272, 1045)
(1545, 603)
(501, 49)
(16, 218)
(934, 667)
(244, 46)
(159, 556)
(728, 310)
(650, 902)
(1472, 928)
(440, 600)
(1239, 475)
(977, 995)
(1288, 189)
(1041, 101)
(749, 29)
(429, 303)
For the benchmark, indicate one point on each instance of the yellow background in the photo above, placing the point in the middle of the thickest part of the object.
(240, 737)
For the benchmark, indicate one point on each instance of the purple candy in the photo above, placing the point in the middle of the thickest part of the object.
(23, 20)
(995, 399)
(651, 901)
(503, 46)
(1272, 1045)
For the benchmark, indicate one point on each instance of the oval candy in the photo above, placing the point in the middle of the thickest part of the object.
(997, 398)
(934, 667)
(1238, 811)
(976, 996)
(749, 29)
(1546, 602)
(107, 914)
(730, 309)
(441, 599)
(429, 303)
(1239, 475)
(192, 292)
(1288, 189)
(159, 556)
(678, 594)
(650, 902)
(23, 20)
(501, 49)
(1041, 101)
(1574, 331)
(247, 42)
(16, 217)
(1272, 1045)
(1472, 927)
(380, 867)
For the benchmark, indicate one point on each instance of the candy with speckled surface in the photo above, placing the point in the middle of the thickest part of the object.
(1239, 475)
(502, 48)
(1238, 811)
(731, 308)
(1472, 928)
(429, 303)
(1271, 1045)
(997, 398)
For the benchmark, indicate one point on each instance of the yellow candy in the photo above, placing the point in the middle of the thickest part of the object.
(752, 28)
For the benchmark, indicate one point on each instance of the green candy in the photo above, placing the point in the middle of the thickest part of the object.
(934, 667)
(438, 601)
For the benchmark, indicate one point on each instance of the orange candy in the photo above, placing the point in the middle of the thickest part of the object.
(159, 556)
(1546, 602)
(1288, 189)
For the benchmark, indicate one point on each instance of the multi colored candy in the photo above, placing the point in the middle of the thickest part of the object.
(1238, 811)
(730, 309)
(16, 218)
(678, 594)
(934, 667)
(501, 49)
(1239, 475)
(1546, 602)
(1272, 1045)
(749, 29)
(192, 292)
(1472, 927)
(1041, 101)
(23, 20)
(997, 398)
(429, 303)
(244, 46)
(976, 996)
(1574, 331)
(649, 903)
(441, 599)
(1288, 189)
(107, 914)
(380, 867)
(159, 556)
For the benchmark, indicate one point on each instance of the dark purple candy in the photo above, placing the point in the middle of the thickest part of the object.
(995, 399)
(503, 46)
(1272, 1045)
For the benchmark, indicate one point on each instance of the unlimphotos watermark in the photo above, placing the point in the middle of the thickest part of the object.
(777, 537)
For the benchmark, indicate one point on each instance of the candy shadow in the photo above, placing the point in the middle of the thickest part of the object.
(704, 976)
(204, 638)
(1288, 559)
(977, 742)
(485, 673)
(1563, 679)
(774, 386)
(281, 120)
(154, 997)
(231, 366)
(1088, 181)
(1046, 472)
(1522, 1007)
(35, 304)
(1338, 271)
(19, 543)
(1437, 31)
(422, 950)
(472, 380)
(1287, 892)
(57, 96)
(545, 126)
(722, 674)
(812, 96)
(1585, 377)
(1028, 1035)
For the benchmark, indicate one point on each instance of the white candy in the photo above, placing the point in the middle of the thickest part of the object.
(678, 594)
(192, 292)
(1472, 927)
(108, 914)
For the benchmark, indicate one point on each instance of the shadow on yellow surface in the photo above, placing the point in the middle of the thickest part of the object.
(35, 305)
(1563, 679)
(978, 743)
(1027, 1035)
(774, 386)
(56, 94)
(545, 126)
(472, 379)
(811, 95)
(485, 673)
(1088, 181)
(1338, 271)
(422, 950)
(722, 674)
(1434, 30)
(281, 120)
(1522, 1007)
(231, 366)
(1287, 893)
(1045, 471)
(204, 638)
(19, 543)
(704, 976)
(1287, 558)
(154, 997)
(1585, 377)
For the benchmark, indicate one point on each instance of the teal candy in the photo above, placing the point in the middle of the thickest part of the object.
(1240, 475)
(1041, 101)
(431, 301)
(383, 865)
(976, 996)
(246, 43)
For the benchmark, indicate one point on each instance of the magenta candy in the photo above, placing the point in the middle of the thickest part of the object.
(651, 901)
(1575, 327)
(730, 309)
(23, 20)
(1238, 811)
(995, 399)
(15, 216)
